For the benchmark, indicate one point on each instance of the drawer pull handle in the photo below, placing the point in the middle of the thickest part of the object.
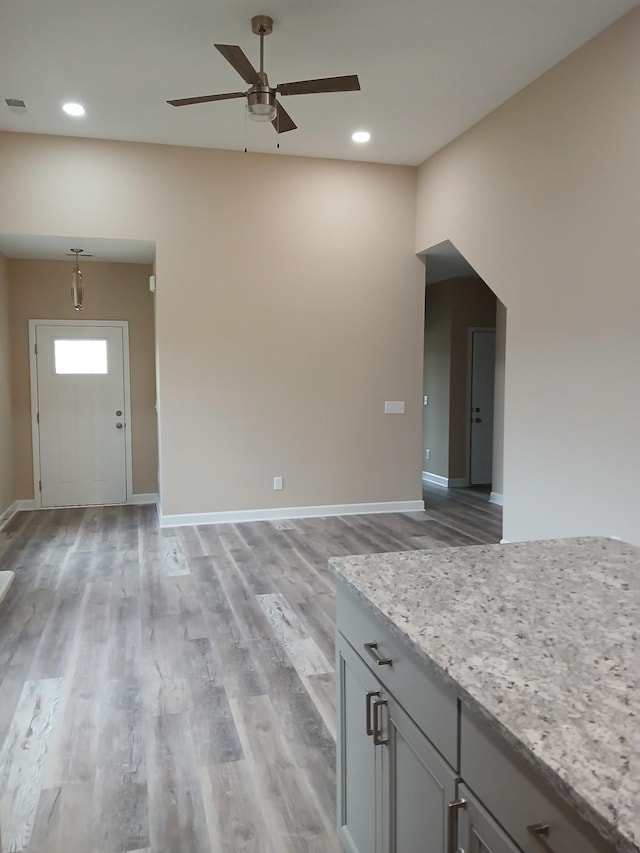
(539, 832)
(377, 730)
(372, 648)
(367, 700)
(452, 810)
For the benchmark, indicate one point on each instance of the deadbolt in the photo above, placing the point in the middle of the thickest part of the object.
(118, 413)
(478, 420)
(118, 426)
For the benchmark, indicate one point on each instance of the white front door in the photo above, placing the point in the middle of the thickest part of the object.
(483, 366)
(81, 415)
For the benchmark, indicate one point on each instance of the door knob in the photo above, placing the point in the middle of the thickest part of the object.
(118, 413)
(478, 420)
(118, 426)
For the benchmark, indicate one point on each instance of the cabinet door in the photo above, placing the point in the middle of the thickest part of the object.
(358, 758)
(417, 786)
(477, 830)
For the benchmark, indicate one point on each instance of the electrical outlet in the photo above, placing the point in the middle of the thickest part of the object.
(277, 484)
(427, 454)
(426, 399)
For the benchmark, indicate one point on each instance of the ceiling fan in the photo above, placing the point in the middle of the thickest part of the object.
(262, 102)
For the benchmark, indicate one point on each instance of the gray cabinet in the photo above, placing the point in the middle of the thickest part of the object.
(418, 786)
(477, 831)
(359, 761)
(403, 738)
(394, 789)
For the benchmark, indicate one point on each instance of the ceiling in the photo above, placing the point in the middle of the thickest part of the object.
(429, 69)
(47, 247)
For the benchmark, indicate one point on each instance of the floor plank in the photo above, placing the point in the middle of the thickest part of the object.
(187, 673)
(22, 760)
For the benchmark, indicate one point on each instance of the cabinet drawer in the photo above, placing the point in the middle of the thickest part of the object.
(517, 797)
(431, 706)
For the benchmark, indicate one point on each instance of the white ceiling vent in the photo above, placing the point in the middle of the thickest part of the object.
(18, 103)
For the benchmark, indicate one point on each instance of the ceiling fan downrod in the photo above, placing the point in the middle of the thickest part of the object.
(262, 25)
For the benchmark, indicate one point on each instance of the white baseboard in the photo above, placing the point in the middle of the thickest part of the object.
(6, 579)
(447, 482)
(7, 515)
(505, 541)
(26, 505)
(142, 498)
(278, 513)
(436, 479)
(496, 498)
(16, 506)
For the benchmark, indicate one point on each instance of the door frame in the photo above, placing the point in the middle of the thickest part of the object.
(470, 331)
(33, 377)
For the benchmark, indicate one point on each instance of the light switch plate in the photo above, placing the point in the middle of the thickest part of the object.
(394, 407)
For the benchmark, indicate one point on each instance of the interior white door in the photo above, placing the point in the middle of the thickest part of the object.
(80, 372)
(483, 365)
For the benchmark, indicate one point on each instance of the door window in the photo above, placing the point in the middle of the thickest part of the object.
(84, 356)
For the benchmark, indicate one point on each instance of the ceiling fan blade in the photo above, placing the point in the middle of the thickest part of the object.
(283, 121)
(183, 102)
(327, 84)
(236, 57)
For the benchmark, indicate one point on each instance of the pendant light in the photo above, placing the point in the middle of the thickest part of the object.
(77, 289)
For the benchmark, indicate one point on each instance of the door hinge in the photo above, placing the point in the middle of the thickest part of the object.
(40, 484)
(37, 417)
(35, 348)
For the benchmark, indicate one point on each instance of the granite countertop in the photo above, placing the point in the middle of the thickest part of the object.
(543, 640)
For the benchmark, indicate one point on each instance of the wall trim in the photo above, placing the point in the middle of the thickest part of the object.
(30, 504)
(496, 498)
(12, 509)
(436, 479)
(276, 513)
(6, 579)
(144, 498)
(447, 482)
(25, 505)
(7, 515)
(505, 541)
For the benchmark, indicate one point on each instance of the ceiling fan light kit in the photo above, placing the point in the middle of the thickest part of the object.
(262, 102)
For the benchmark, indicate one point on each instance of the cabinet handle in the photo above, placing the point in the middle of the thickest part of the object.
(539, 832)
(367, 700)
(377, 731)
(452, 811)
(372, 648)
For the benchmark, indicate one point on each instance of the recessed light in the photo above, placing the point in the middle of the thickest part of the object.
(73, 109)
(361, 136)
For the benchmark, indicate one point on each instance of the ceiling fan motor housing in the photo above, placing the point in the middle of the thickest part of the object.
(262, 102)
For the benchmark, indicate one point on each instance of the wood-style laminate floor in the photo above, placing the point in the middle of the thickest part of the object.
(172, 690)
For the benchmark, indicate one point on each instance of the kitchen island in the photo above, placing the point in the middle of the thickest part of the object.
(531, 656)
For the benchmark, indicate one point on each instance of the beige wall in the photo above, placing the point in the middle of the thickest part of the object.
(289, 307)
(542, 198)
(41, 290)
(7, 492)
